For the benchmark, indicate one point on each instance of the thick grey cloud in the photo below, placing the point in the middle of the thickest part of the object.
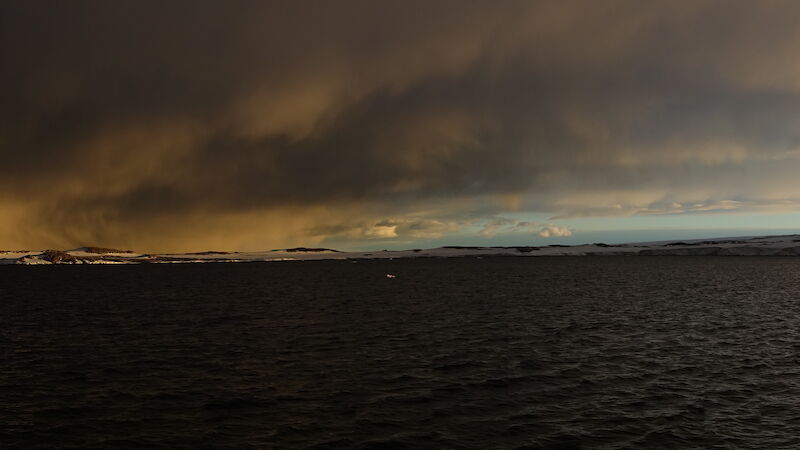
(244, 124)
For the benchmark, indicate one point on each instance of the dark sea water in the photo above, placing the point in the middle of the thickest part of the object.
(565, 352)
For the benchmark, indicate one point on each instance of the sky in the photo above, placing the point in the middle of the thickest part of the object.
(363, 124)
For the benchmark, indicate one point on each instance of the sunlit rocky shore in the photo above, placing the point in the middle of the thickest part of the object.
(788, 245)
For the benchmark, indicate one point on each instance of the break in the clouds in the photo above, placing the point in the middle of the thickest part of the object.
(502, 224)
(255, 124)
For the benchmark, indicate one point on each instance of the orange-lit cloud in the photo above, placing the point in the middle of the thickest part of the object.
(258, 124)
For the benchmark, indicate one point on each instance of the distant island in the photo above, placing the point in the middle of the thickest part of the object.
(786, 245)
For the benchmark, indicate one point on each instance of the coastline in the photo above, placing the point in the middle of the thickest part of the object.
(784, 245)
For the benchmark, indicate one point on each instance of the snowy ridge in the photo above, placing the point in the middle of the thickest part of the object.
(788, 245)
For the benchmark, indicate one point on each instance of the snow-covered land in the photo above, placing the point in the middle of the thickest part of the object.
(738, 246)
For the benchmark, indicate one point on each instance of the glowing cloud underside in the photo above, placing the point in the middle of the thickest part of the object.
(260, 124)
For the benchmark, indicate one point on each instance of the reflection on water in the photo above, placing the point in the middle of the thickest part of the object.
(594, 352)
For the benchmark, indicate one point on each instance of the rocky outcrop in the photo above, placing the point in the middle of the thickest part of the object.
(747, 251)
(789, 251)
(58, 257)
(701, 251)
(721, 251)
(55, 257)
(101, 250)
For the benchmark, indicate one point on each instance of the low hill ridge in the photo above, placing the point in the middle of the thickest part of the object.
(784, 245)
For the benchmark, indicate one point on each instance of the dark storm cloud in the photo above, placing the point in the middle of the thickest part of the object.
(248, 124)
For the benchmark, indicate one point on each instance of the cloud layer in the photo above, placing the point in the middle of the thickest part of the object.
(257, 124)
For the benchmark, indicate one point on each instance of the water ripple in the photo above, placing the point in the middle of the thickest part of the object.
(606, 353)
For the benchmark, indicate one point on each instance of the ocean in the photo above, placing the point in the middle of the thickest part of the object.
(459, 353)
